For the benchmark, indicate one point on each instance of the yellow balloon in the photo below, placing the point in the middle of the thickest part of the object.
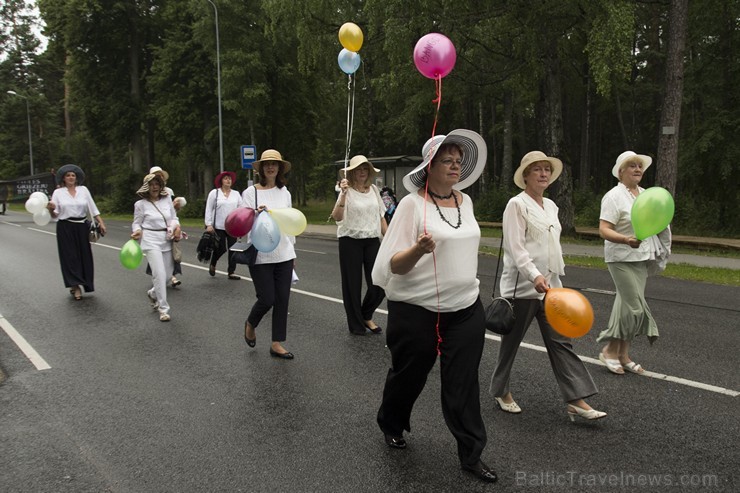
(291, 221)
(350, 35)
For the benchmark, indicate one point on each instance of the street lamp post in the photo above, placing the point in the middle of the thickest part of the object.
(28, 116)
(218, 77)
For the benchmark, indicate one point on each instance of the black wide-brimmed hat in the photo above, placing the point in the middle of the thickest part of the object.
(74, 169)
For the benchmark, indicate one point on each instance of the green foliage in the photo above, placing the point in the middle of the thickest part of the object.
(489, 207)
(610, 42)
(588, 208)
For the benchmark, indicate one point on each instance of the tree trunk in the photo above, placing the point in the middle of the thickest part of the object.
(507, 172)
(670, 118)
(67, 95)
(137, 144)
(550, 129)
(584, 171)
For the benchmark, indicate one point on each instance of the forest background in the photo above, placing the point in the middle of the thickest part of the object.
(122, 85)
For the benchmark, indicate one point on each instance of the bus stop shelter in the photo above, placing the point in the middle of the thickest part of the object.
(392, 170)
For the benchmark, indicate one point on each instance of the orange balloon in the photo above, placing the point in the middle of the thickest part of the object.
(568, 312)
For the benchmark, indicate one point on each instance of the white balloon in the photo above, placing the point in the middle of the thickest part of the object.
(34, 205)
(42, 218)
(42, 196)
(181, 201)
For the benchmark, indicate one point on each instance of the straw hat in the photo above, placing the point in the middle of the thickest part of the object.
(628, 156)
(74, 169)
(271, 155)
(533, 157)
(143, 191)
(474, 151)
(159, 171)
(358, 161)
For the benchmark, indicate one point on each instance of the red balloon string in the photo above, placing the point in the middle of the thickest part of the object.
(438, 101)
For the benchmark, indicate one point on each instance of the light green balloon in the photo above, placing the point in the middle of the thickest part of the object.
(131, 254)
(652, 212)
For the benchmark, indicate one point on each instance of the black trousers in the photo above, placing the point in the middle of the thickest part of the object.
(224, 244)
(272, 284)
(75, 255)
(412, 339)
(357, 257)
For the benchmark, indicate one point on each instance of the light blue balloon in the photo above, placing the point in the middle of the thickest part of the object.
(265, 233)
(349, 61)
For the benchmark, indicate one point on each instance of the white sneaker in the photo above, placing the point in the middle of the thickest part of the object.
(164, 317)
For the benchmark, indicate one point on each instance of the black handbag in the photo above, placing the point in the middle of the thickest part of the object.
(95, 232)
(246, 257)
(500, 317)
(206, 246)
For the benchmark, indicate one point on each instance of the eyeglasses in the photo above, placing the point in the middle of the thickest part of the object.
(449, 161)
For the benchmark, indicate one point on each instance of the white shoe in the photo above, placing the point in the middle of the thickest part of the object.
(164, 317)
(590, 414)
(511, 407)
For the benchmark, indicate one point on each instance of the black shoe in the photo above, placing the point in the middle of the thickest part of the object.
(250, 342)
(395, 442)
(286, 355)
(212, 270)
(377, 330)
(481, 471)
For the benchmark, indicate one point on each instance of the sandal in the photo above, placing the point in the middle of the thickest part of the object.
(612, 365)
(633, 367)
(76, 293)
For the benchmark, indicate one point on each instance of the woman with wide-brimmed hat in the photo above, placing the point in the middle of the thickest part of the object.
(157, 226)
(533, 263)
(272, 272)
(427, 264)
(221, 201)
(71, 204)
(359, 212)
(628, 261)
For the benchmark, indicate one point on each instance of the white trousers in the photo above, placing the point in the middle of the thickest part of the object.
(162, 264)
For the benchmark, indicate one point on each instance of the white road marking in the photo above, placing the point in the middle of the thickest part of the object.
(650, 374)
(11, 224)
(23, 345)
(594, 361)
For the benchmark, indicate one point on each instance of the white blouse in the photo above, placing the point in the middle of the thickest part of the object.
(362, 214)
(272, 198)
(153, 225)
(77, 207)
(222, 204)
(456, 255)
(616, 208)
(531, 246)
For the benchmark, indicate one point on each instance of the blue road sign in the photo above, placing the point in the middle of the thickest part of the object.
(249, 154)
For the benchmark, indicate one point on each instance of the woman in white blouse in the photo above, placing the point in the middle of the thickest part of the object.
(359, 212)
(533, 263)
(273, 271)
(221, 201)
(156, 225)
(427, 264)
(71, 204)
(627, 259)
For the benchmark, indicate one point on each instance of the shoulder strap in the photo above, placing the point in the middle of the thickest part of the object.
(161, 214)
(498, 263)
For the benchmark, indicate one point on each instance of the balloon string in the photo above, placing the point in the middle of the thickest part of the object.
(438, 100)
(350, 119)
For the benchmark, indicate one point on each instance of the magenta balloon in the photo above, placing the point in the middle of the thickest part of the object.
(239, 222)
(434, 55)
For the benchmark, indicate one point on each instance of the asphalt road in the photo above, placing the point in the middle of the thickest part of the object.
(130, 404)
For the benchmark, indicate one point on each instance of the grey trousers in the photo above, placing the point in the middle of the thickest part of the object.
(573, 378)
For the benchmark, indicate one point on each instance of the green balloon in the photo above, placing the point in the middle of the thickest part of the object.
(652, 212)
(131, 254)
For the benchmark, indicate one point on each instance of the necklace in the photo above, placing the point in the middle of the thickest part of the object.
(442, 197)
(457, 206)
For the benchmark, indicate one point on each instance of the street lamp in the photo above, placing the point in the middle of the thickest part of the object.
(218, 76)
(28, 115)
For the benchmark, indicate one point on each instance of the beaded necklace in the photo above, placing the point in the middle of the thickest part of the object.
(457, 206)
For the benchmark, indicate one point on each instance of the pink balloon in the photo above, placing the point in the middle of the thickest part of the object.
(434, 55)
(239, 222)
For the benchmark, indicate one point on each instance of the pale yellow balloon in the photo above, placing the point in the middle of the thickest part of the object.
(350, 35)
(291, 221)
